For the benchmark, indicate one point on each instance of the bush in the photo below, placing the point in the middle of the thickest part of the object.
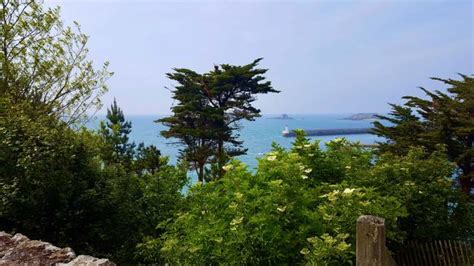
(55, 186)
(245, 218)
(301, 206)
(424, 184)
(281, 214)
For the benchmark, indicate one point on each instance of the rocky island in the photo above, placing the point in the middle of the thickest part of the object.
(328, 132)
(282, 117)
(362, 116)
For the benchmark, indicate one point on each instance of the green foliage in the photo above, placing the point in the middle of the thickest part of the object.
(242, 217)
(51, 184)
(210, 105)
(437, 210)
(55, 186)
(148, 159)
(140, 203)
(96, 192)
(443, 118)
(71, 186)
(421, 183)
(187, 123)
(116, 148)
(328, 250)
(115, 131)
(301, 206)
(400, 139)
(45, 63)
(340, 160)
(342, 205)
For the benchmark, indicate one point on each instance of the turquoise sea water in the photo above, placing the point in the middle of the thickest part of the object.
(257, 135)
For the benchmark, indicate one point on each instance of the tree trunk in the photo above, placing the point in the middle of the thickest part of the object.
(201, 172)
(466, 180)
(220, 159)
(468, 169)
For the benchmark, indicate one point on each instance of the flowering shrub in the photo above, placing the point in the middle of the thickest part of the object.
(328, 250)
(300, 206)
(340, 160)
(342, 206)
(242, 217)
(437, 210)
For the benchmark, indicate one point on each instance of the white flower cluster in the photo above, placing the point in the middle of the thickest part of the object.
(305, 170)
(271, 156)
(332, 196)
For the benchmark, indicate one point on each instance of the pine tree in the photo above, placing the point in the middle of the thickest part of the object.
(443, 118)
(148, 159)
(115, 131)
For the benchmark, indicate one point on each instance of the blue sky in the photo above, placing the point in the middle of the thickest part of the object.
(324, 56)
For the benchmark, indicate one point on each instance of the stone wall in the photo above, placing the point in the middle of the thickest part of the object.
(19, 249)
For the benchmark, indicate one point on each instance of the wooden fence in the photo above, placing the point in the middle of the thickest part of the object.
(371, 249)
(444, 252)
(370, 242)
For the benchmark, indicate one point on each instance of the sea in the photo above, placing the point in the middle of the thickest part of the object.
(257, 135)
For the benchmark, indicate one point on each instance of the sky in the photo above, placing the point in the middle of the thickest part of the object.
(324, 56)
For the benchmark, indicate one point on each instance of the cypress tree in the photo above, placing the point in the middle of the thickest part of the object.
(231, 90)
(209, 109)
(190, 123)
(442, 118)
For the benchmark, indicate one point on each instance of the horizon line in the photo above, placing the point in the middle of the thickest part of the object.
(263, 114)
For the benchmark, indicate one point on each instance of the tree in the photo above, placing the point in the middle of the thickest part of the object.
(55, 182)
(210, 106)
(115, 132)
(55, 186)
(231, 90)
(45, 63)
(191, 121)
(148, 159)
(443, 118)
(52, 186)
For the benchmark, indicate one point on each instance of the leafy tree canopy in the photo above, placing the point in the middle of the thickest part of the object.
(45, 63)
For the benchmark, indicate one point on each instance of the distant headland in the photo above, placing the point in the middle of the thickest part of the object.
(328, 132)
(362, 116)
(282, 117)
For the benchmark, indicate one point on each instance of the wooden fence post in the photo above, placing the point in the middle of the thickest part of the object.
(370, 242)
